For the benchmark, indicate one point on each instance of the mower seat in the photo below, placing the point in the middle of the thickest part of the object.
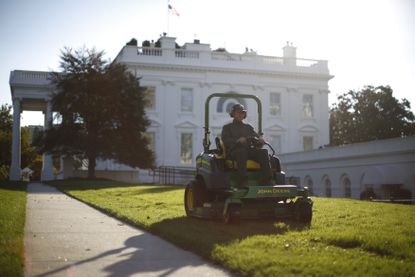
(231, 164)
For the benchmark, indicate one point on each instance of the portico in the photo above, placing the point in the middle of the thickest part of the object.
(30, 91)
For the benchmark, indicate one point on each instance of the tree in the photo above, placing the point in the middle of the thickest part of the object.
(101, 112)
(28, 152)
(370, 114)
(6, 123)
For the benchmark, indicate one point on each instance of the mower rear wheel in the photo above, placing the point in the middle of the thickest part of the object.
(233, 214)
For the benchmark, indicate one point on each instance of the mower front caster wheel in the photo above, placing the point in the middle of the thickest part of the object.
(233, 215)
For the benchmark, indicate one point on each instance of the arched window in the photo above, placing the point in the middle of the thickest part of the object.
(308, 182)
(224, 104)
(327, 186)
(347, 186)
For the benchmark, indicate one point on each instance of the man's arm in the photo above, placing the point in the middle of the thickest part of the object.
(227, 138)
(261, 139)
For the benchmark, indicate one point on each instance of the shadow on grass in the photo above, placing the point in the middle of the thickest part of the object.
(13, 185)
(160, 189)
(88, 184)
(202, 235)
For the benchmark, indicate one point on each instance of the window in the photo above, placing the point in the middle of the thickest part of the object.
(308, 182)
(307, 143)
(151, 137)
(274, 103)
(347, 187)
(308, 105)
(186, 148)
(150, 98)
(225, 104)
(186, 100)
(327, 185)
(276, 143)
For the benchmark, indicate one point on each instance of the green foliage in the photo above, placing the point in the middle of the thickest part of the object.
(28, 152)
(132, 42)
(12, 220)
(6, 123)
(370, 114)
(4, 172)
(157, 44)
(347, 237)
(101, 110)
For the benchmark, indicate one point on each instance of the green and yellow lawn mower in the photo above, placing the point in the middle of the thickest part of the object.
(214, 192)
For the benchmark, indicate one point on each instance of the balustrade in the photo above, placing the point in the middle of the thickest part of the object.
(216, 56)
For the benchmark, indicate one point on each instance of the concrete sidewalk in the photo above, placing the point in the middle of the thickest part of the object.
(65, 237)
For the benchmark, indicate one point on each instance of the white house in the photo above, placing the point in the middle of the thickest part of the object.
(293, 91)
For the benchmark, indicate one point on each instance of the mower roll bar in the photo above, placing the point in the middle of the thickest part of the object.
(206, 141)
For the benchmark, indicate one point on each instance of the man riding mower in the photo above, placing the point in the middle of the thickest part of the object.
(239, 179)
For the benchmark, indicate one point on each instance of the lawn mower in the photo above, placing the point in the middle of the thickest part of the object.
(214, 192)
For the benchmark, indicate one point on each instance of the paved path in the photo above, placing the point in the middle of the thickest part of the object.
(65, 237)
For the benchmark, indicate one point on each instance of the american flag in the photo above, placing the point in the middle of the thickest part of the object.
(173, 11)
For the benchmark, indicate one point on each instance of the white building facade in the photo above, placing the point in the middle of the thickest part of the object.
(294, 94)
(385, 167)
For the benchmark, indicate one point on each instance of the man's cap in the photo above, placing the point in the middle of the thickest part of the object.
(237, 108)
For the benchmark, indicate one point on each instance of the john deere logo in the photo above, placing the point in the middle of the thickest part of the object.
(272, 191)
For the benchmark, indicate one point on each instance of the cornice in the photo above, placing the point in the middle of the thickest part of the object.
(200, 69)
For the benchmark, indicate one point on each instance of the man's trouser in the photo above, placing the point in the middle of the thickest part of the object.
(242, 154)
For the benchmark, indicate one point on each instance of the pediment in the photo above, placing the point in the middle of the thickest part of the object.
(275, 128)
(186, 124)
(155, 123)
(308, 128)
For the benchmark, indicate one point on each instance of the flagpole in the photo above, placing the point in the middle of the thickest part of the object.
(168, 18)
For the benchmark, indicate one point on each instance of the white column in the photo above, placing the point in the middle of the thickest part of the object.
(15, 163)
(47, 168)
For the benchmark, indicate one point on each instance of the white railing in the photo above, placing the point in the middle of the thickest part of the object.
(30, 77)
(181, 53)
(234, 58)
(24, 75)
(272, 60)
(150, 51)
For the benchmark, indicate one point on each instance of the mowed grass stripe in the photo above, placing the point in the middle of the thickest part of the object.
(347, 237)
(12, 220)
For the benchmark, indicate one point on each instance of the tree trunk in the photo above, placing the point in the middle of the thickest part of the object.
(91, 166)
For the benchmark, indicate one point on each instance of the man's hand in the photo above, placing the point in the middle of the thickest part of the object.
(241, 140)
(261, 140)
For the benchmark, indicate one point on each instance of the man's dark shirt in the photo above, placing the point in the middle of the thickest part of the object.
(231, 132)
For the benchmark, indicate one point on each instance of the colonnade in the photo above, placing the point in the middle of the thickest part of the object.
(15, 167)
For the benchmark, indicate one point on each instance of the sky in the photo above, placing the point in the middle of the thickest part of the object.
(366, 42)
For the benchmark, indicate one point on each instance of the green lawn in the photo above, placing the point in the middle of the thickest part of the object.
(347, 237)
(12, 220)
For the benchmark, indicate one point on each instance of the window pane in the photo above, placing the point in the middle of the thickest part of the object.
(274, 104)
(186, 148)
(308, 143)
(347, 188)
(151, 136)
(276, 143)
(327, 184)
(187, 100)
(308, 105)
(309, 184)
(150, 98)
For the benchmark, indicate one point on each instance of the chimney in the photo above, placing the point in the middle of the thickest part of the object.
(290, 54)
